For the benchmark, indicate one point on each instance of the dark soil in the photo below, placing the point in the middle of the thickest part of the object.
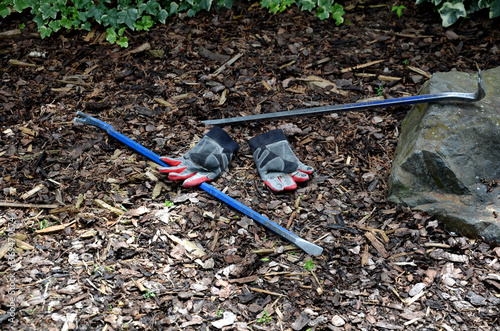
(181, 259)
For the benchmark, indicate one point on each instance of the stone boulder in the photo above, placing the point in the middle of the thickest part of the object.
(447, 162)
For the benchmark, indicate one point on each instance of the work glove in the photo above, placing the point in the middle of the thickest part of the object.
(205, 161)
(276, 163)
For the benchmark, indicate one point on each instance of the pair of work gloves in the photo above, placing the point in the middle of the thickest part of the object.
(276, 163)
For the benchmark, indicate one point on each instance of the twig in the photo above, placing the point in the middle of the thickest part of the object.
(287, 64)
(272, 250)
(266, 292)
(290, 220)
(319, 289)
(27, 205)
(72, 82)
(326, 59)
(361, 66)
(366, 217)
(411, 300)
(420, 71)
(214, 243)
(54, 228)
(439, 245)
(321, 238)
(21, 63)
(228, 63)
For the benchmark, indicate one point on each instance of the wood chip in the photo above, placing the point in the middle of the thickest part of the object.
(54, 228)
(31, 192)
(10, 34)
(112, 209)
(144, 47)
(163, 102)
(244, 280)
(377, 244)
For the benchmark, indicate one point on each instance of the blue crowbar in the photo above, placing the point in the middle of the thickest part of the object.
(303, 244)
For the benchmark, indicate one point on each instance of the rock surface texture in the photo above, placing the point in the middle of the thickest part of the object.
(447, 162)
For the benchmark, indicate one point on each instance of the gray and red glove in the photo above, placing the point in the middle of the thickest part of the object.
(276, 163)
(205, 161)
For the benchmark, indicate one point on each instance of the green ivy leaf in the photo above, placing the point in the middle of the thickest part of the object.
(225, 3)
(44, 31)
(55, 25)
(66, 22)
(128, 17)
(174, 9)
(86, 26)
(4, 12)
(326, 4)
(83, 4)
(48, 11)
(111, 18)
(123, 42)
(337, 13)
(144, 23)
(451, 12)
(96, 12)
(308, 5)
(495, 9)
(322, 13)
(152, 7)
(20, 5)
(162, 16)
(111, 35)
(205, 4)
(38, 19)
(183, 6)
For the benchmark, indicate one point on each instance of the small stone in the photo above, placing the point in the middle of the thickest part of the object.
(338, 321)
(416, 78)
(462, 305)
(301, 321)
(416, 289)
(185, 295)
(228, 318)
(476, 299)
(451, 35)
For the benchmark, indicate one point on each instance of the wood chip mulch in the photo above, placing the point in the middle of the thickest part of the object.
(102, 241)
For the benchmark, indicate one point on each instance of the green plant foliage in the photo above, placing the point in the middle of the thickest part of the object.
(398, 10)
(309, 265)
(117, 16)
(452, 11)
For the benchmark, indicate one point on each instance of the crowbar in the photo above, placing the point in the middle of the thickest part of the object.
(303, 244)
(445, 96)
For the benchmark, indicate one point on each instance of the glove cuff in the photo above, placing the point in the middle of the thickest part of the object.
(266, 139)
(223, 139)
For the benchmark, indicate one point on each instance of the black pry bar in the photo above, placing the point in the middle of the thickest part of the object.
(445, 96)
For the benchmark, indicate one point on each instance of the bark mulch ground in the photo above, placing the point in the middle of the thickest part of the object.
(104, 242)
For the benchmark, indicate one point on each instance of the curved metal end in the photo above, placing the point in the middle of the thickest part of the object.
(81, 118)
(481, 89)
